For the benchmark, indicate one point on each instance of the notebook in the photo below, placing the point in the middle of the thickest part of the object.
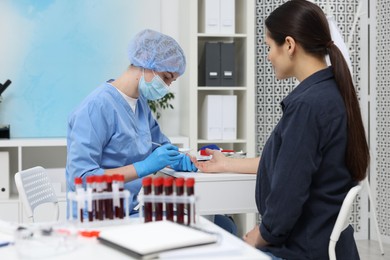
(148, 240)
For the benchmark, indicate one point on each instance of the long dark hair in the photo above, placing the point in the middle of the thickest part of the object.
(307, 24)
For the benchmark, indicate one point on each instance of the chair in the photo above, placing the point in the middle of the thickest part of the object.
(342, 220)
(35, 189)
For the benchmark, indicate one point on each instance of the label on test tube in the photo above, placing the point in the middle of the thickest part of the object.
(147, 186)
(121, 188)
(179, 183)
(90, 203)
(158, 189)
(168, 189)
(80, 193)
(190, 191)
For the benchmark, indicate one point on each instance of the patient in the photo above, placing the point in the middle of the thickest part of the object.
(316, 152)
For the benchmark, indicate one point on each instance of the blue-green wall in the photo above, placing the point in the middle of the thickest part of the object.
(56, 52)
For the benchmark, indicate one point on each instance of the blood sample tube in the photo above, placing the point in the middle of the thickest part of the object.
(179, 183)
(90, 202)
(99, 189)
(168, 189)
(115, 195)
(78, 182)
(158, 189)
(190, 191)
(108, 202)
(147, 186)
(121, 183)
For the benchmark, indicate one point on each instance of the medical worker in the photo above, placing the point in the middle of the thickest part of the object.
(113, 131)
(318, 150)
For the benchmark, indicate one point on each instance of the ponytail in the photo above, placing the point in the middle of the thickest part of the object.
(357, 154)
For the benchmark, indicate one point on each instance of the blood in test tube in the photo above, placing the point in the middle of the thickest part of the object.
(78, 182)
(108, 202)
(115, 196)
(90, 202)
(158, 189)
(168, 189)
(190, 191)
(99, 189)
(120, 181)
(147, 186)
(179, 183)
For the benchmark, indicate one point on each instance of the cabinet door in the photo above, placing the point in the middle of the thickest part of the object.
(9, 211)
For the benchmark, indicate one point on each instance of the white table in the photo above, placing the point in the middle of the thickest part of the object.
(224, 193)
(221, 193)
(229, 247)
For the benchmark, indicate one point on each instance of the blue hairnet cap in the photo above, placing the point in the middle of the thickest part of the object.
(156, 51)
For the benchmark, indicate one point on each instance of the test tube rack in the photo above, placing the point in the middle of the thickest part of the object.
(175, 200)
(85, 199)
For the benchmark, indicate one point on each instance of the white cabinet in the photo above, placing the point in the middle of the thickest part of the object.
(9, 210)
(24, 153)
(193, 39)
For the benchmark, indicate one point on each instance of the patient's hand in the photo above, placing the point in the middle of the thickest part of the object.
(216, 164)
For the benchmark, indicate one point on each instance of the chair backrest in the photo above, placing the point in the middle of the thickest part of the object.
(342, 220)
(35, 189)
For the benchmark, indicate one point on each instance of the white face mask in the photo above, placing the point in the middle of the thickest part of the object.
(153, 90)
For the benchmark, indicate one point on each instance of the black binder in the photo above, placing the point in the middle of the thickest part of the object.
(228, 72)
(217, 65)
(212, 61)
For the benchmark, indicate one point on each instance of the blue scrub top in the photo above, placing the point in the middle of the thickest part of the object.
(302, 178)
(105, 133)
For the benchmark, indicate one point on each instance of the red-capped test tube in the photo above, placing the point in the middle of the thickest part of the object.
(147, 186)
(158, 190)
(168, 189)
(179, 183)
(190, 191)
(108, 202)
(78, 183)
(99, 189)
(119, 179)
(90, 202)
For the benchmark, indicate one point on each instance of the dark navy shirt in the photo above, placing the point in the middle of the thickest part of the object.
(302, 177)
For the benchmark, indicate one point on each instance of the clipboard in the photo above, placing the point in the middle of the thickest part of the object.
(148, 240)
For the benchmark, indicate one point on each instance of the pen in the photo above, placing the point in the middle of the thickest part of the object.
(156, 143)
(5, 244)
(184, 152)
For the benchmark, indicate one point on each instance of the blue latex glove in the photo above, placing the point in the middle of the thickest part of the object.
(161, 157)
(184, 164)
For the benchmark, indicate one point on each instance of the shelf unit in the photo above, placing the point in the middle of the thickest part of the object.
(193, 40)
(25, 153)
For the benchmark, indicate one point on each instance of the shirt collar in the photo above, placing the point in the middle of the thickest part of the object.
(313, 79)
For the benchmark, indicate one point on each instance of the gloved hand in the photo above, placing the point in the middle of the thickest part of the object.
(184, 164)
(161, 157)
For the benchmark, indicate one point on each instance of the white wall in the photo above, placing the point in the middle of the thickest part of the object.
(170, 120)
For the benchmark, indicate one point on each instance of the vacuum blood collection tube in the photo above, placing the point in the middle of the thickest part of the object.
(147, 186)
(168, 189)
(108, 202)
(78, 182)
(90, 203)
(119, 180)
(179, 183)
(99, 189)
(190, 191)
(158, 189)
